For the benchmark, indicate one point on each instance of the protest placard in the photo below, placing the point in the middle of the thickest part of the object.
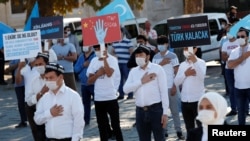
(50, 27)
(105, 27)
(191, 31)
(21, 45)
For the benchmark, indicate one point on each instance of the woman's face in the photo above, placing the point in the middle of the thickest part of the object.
(206, 105)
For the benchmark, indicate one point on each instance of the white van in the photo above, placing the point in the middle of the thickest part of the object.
(209, 52)
(133, 27)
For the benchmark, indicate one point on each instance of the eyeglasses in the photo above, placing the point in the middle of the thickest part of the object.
(241, 36)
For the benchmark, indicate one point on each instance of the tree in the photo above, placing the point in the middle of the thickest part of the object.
(62, 7)
(193, 6)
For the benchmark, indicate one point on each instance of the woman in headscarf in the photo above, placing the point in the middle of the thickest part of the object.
(212, 110)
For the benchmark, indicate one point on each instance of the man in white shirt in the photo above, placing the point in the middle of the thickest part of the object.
(35, 92)
(239, 60)
(104, 73)
(148, 83)
(60, 109)
(226, 49)
(190, 78)
(170, 63)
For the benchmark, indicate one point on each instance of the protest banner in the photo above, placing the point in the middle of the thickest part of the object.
(191, 31)
(50, 27)
(21, 45)
(101, 29)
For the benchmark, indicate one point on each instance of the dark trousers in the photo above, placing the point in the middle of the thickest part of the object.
(38, 131)
(229, 73)
(21, 103)
(87, 92)
(103, 109)
(189, 113)
(124, 70)
(149, 121)
(2, 63)
(243, 98)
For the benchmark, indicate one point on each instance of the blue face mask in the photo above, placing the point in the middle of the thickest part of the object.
(162, 48)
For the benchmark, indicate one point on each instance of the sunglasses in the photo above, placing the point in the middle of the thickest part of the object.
(241, 36)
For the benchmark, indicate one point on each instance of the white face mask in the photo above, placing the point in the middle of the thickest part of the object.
(206, 116)
(186, 54)
(40, 69)
(51, 85)
(98, 54)
(66, 40)
(140, 61)
(229, 36)
(241, 41)
(54, 41)
(222, 26)
(161, 48)
(68, 33)
(85, 49)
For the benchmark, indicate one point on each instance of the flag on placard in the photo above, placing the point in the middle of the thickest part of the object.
(34, 14)
(244, 22)
(118, 6)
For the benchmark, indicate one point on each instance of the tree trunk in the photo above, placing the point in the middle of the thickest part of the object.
(193, 6)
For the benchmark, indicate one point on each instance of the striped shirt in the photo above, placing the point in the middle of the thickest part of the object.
(121, 49)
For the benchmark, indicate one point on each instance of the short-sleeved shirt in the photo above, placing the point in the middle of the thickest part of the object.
(168, 68)
(122, 50)
(105, 87)
(65, 50)
(228, 47)
(241, 72)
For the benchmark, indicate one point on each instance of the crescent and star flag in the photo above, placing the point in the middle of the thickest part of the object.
(245, 22)
(118, 6)
(34, 14)
(110, 24)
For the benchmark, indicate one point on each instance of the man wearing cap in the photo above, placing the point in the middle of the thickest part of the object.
(104, 73)
(66, 55)
(60, 109)
(239, 61)
(148, 83)
(35, 93)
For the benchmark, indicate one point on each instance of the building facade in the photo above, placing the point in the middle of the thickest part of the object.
(155, 10)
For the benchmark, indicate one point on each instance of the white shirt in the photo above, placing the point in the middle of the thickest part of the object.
(37, 85)
(168, 68)
(71, 123)
(105, 87)
(52, 56)
(192, 86)
(149, 93)
(228, 47)
(28, 75)
(241, 72)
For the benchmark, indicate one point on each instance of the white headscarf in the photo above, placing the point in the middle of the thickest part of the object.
(220, 105)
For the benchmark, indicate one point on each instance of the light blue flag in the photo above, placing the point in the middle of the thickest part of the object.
(118, 6)
(3, 30)
(34, 14)
(245, 22)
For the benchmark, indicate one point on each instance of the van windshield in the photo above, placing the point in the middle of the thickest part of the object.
(132, 30)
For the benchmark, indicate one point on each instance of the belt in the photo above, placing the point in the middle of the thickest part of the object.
(146, 108)
(64, 139)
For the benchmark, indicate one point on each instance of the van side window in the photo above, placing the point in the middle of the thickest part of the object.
(132, 30)
(161, 29)
(214, 28)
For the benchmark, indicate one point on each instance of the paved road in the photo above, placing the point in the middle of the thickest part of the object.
(9, 116)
